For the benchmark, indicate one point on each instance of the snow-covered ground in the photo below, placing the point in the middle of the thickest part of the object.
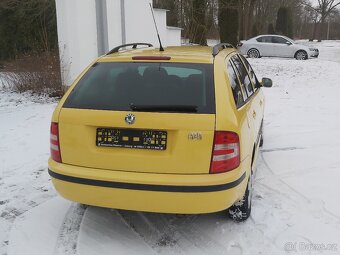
(296, 205)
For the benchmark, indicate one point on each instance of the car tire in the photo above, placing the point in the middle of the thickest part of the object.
(301, 55)
(261, 141)
(240, 211)
(261, 133)
(253, 53)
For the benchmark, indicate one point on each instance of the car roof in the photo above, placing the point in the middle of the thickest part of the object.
(268, 35)
(185, 54)
(283, 36)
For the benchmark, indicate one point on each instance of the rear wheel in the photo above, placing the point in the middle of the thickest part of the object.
(301, 55)
(253, 53)
(240, 211)
(261, 141)
(261, 133)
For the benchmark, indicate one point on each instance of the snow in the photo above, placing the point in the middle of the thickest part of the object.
(296, 190)
(24, 149)
(43, 234)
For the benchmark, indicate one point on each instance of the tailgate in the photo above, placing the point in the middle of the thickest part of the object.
(187, 150)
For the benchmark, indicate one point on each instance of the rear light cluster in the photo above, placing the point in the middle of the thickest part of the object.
(226, 152)
(54, 140)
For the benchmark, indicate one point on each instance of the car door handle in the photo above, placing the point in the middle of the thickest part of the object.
(261, 102)
(254, 114)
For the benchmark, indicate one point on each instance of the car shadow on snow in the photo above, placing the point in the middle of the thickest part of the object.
(153, 233)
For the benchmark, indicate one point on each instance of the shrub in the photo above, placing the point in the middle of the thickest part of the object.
(38, 73)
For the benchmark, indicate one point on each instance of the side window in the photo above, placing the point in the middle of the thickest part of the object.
(280, 40)
(243, 75)
(235, 85)
(250, 71)
(264, 39)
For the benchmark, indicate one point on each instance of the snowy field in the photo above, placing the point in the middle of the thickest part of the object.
(296, 207)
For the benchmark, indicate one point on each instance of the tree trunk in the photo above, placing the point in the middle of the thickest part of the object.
(314, 31)
(250, 19)
(198, 30)
(322, 24)
(240, 19)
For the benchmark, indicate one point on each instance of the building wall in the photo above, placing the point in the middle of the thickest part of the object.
(173, 36)
(76, 35)
(127, 21)
(114, 23)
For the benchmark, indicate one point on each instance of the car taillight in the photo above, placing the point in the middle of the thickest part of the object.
(239, 44)
(54, 143)
(226, 152)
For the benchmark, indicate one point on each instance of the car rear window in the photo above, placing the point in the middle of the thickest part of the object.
(117, 86)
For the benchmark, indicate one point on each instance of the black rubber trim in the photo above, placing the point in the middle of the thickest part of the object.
(147, 187)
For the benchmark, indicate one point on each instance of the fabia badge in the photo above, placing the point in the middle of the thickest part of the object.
(195, 136)
(130, 119)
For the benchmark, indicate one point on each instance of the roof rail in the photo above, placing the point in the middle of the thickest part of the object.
(134, 46)
(221, 46)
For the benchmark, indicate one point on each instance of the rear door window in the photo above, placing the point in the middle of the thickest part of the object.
(118, 86)
(251, 72)
(264, 39)
(279, 40)
(235, 85)
(243, 75)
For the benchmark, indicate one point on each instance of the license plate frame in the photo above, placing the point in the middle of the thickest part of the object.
(131, 138)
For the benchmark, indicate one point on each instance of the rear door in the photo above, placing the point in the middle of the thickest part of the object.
(141, 117)
(248, 92)
(282, 47)
(257, 98)
(265, 46)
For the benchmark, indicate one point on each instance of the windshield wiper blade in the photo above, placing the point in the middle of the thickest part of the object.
(164, 108)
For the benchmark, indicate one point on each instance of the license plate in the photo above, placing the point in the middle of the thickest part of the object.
(131, 138)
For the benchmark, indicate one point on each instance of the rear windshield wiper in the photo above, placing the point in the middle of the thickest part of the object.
(164, 108)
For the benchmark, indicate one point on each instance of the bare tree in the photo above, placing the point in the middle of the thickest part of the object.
(197, 32)
(323, 9)
(246, 17)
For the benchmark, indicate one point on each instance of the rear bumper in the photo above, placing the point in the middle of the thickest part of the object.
(166, 193)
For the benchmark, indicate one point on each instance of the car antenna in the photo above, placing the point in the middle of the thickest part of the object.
(159, 39)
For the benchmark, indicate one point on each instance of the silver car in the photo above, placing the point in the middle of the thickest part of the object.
(276, 46)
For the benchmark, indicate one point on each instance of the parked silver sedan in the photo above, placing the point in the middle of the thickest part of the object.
(276, 46)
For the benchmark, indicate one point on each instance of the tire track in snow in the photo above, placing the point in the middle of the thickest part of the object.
(156, 237)
(282, 149)
(172, 234)
(278, 178)
(15, 200)
(321, 208)
(68, 233)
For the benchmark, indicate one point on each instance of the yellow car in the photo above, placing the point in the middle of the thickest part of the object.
(174, 131)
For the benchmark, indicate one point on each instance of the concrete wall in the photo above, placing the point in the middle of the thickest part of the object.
(127, 21)
(76, 35)
(173, 36)
(114, 23)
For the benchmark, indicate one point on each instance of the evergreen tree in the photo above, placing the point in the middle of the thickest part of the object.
(290, 26)
(284, 22)
(27, 26)
(254, 30)
(228, 21)
(271, 29)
